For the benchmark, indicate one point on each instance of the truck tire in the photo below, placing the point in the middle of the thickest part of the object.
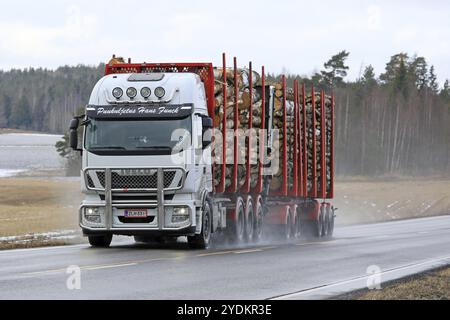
(325, 223)
(330, 222)
(258, 224)
(236, 227)
(249, 221)
(100, 241)
(202, 240)
(297, 226)
(287, 232)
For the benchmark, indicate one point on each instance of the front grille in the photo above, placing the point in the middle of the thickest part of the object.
(133, 182)
(90, 182)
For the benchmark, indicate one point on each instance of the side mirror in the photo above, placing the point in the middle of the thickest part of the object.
(73, 139)
(74, 123)
(207, 125)
(73, 134)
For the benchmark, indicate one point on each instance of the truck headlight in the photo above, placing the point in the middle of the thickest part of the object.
(94, 216)
(180, 214)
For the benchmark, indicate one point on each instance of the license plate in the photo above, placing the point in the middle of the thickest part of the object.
(135, 213)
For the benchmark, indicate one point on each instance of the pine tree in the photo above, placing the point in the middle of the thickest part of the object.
(393, 67)
(418, 71)
(445, 92)
(335, 69)
(433, 81)
(368, 78)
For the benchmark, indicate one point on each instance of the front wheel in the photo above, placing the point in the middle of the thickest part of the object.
(202, 240)
(100, 241)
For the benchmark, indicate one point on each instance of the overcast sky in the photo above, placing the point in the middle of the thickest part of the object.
(297, 36)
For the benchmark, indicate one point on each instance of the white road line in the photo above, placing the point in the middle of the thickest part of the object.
(247, 251)
(93, 267)
(423, 266)
(110, 266)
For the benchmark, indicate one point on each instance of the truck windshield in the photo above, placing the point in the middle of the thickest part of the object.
(131, 136)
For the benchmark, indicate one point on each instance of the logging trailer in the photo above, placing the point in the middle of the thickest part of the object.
(154, 157)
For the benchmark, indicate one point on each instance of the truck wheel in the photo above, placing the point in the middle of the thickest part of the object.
(100, 241)
(249, 221)
(288, 227)
(258, 223)
(325, 224)
(297, 226)
(237, 226)
(330, 222)
(202, 240)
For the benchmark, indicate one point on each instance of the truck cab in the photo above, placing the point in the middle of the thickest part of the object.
(146, 168)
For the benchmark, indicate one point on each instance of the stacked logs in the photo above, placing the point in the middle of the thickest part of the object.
(310, 131)
(278, 118)
(245, 100)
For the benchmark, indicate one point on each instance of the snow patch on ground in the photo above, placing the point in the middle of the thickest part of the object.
(10, 172)
(52, 235)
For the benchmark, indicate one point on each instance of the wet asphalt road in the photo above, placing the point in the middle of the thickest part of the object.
(268, 270)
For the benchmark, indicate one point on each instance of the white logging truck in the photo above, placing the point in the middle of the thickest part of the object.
(188, 149)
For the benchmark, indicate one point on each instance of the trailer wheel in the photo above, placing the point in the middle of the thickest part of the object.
(288, 226)
(258, 224)
(237, 225)
(100, 241)
(297, 226)
(325, 223)
(249, 220)
(330, 222)
(202, 240)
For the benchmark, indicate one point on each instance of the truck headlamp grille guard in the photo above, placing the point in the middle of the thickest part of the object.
(134, 179)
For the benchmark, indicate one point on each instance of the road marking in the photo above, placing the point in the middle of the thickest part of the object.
(319, 242)
(214, 253)
(110, 266)
(247, 251)
(217, 253)
(431, 264)
(92, 267)
(254, 250)
(44, 272)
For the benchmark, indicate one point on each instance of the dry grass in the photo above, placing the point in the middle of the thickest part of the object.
(35, 205)
(431, 285)
(363, 201)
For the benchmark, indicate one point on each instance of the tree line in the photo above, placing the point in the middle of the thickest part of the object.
(396, 123)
